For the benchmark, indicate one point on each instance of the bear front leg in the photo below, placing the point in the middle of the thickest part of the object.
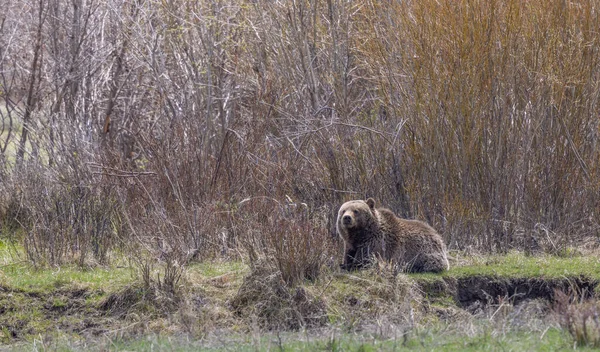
(349, 260)
(356, 258)
(362, 257)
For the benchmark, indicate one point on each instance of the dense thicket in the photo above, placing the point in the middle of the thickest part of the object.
(206, 125)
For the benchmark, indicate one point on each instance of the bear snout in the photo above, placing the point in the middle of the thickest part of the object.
(347, 219)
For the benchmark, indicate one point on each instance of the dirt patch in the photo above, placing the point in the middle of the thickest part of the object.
(477, 291)
(68, 310)
(489, 290)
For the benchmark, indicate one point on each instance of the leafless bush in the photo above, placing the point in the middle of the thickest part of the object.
(478, 117)
(287, 236)
(63, 221)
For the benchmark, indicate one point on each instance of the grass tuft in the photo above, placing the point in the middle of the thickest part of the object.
(265, 297)
(580, 319)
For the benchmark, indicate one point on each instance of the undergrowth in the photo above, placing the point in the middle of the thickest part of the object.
(376, 308)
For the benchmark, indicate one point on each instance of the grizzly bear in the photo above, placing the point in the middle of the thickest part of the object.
(369, 232)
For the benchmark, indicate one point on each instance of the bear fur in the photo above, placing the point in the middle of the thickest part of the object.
(368, 232)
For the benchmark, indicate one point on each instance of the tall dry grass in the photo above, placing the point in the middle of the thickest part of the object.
(579, 317)
(480, 117)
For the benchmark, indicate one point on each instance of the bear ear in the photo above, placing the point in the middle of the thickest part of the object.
(371, 203)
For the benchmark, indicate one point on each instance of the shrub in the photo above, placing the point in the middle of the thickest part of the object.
(289, 237)
(67, 221)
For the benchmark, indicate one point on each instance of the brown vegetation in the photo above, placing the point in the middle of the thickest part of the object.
(265, 299)
(580, 319)
(188, 129)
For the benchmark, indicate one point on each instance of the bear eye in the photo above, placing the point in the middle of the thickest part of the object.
(355, 211)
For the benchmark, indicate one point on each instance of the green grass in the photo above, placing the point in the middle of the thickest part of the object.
(215, 269)
(3, 252)
(18, 274)
(425, 340)
(24, 277)
(15, 137)
(519, 265)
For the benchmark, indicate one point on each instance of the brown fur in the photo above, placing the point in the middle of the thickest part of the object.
(376, 232)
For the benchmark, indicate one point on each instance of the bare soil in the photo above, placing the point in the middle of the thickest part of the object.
(476, 291)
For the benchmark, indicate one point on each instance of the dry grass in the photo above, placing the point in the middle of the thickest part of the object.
(266, 300)
(580, 319)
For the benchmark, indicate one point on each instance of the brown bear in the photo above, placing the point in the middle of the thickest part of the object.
(411, 245)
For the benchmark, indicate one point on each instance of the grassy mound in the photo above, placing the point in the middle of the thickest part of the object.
(265, 297)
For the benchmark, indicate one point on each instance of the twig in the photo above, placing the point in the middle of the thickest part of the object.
(128, 174)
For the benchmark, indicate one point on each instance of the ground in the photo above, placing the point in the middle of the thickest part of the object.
(482, 303)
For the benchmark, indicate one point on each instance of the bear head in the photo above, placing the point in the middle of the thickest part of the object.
(356, 214)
